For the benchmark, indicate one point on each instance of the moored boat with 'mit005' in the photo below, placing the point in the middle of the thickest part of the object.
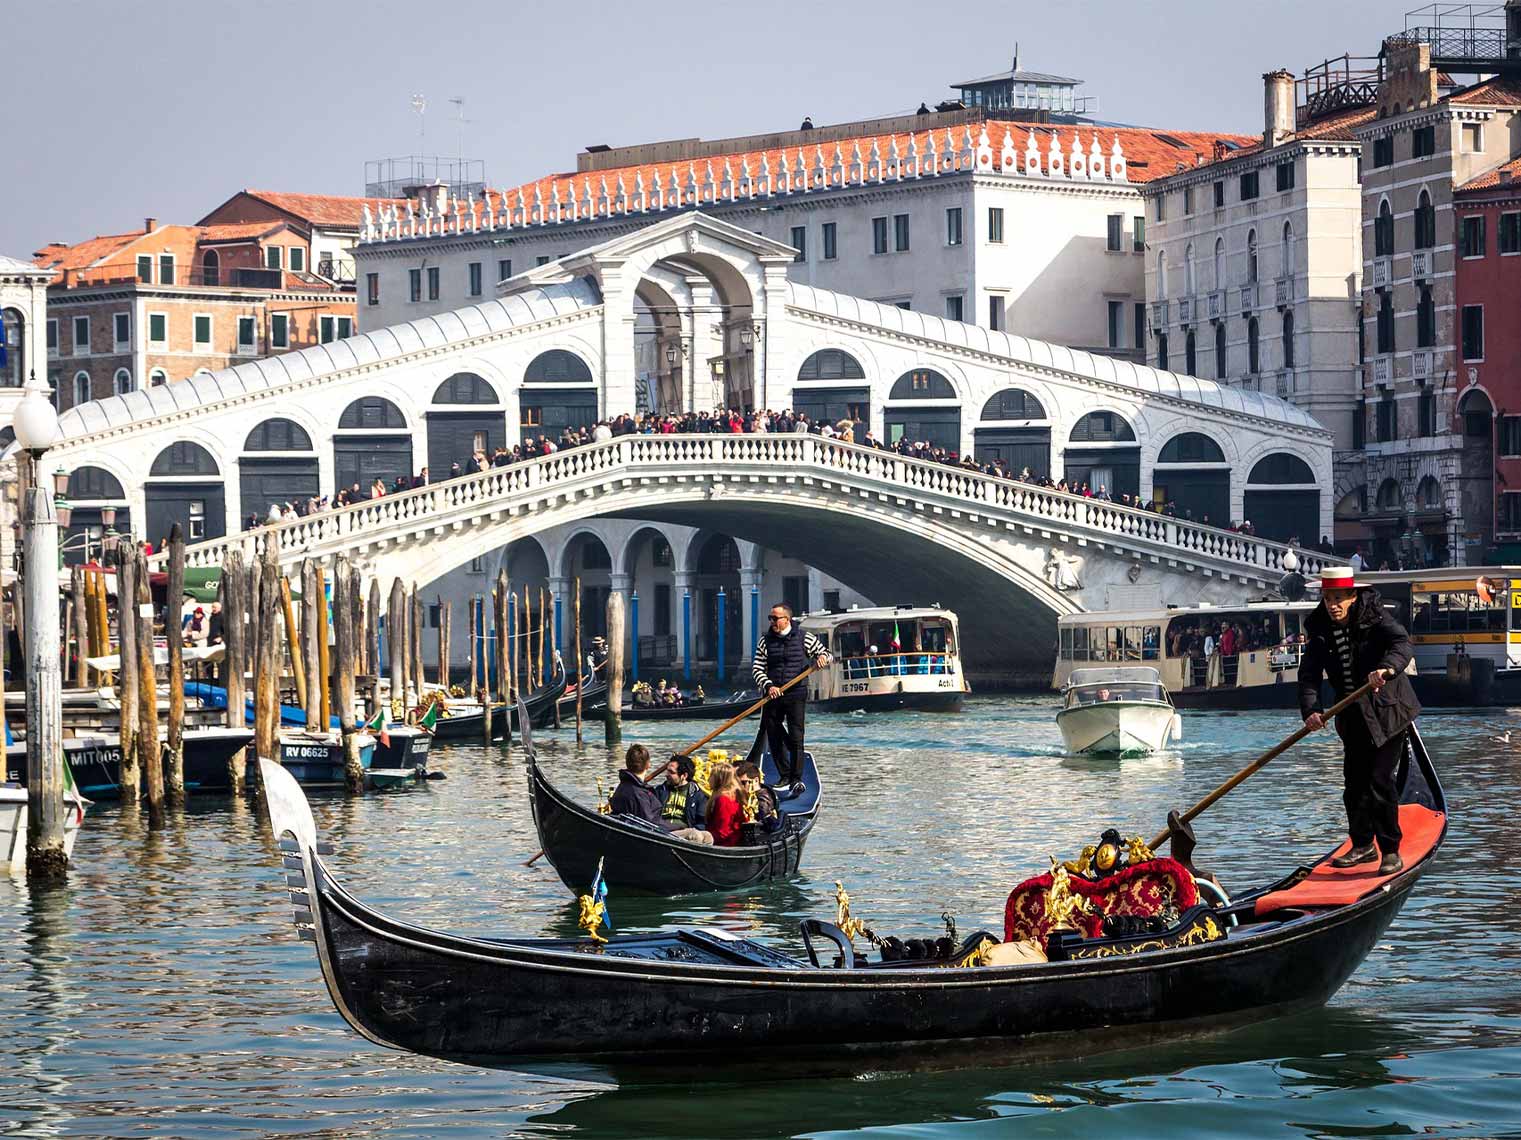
(701, 992)
(888, 657)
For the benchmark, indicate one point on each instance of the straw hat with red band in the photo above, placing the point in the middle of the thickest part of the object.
(1339, 578)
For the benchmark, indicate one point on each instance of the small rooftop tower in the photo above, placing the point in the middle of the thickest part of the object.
(1016, 90)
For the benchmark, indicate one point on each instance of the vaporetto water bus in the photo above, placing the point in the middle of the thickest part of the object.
(888, 657)
(1464, 622)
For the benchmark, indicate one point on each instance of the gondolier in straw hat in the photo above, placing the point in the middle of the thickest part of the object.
(783, 652)
(1350, 641)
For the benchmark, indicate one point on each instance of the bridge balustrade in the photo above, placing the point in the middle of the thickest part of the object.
(592, 466)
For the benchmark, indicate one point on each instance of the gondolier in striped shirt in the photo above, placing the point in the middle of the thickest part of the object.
(784, 652)
(1350, 641)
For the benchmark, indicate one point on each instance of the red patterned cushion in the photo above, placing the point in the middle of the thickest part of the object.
(1144, 889)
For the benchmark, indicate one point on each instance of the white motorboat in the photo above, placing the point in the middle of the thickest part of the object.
(13, 816)
(1123, 710)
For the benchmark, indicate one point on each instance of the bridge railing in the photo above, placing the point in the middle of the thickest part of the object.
(442, 504)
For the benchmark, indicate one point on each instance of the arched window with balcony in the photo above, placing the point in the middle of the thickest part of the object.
(1383, 231)
(1190, 355)
(1220, 369)
(1425, 222)
(1218, 279)
(1253, 347)
(1425, 319)
(211, 268)
(122, 381)
(1288, 338)
(1190, 281)
(1162, 274)
(1251, 257)
(81, 388)
(1162, 351)
(1288, 249)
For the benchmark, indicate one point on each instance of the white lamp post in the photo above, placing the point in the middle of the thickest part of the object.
(36, 427)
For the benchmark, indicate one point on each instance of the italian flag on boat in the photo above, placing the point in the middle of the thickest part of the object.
(377, 725)
(71, 794)
(430, 718)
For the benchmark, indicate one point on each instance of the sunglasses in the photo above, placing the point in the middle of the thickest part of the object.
(778, 617)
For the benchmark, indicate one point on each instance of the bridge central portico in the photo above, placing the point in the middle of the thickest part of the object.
(1008, 555)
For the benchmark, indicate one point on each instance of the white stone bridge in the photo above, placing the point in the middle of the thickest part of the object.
(1008, 556)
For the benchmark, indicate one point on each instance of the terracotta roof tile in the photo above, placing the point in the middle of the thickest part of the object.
(1148, 154)
(1497, 92)
(318, 209)
(1508, 175)
(238, 231)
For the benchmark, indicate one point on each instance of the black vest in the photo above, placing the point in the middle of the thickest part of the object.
(785, 656)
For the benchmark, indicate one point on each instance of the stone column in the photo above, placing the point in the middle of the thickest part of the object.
(705, 343)
(686, 618)
(618, 360)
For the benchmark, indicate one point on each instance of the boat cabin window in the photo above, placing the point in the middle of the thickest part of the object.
(936, 637)
(1114, 691)
(1457, 612)
(1110, 643)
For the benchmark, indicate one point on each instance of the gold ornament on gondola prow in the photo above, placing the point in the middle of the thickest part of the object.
(1110, 854)
(590, 918)
(852, 928)
(604, 803)
(749, 806)
(1063, 904)
(398, 710)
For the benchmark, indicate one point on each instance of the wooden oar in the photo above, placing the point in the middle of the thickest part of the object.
(1261, 762)
(717, 732)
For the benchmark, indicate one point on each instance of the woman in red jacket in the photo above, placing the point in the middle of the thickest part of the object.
(723, 805)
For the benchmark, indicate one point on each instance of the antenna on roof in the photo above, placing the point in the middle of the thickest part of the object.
(459, 116)
(420, 105)
(1016, 60)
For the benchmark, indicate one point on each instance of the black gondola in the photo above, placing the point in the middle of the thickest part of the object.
(641, 857)
(466, 725)
(96, 761)
(692, 710)
(593, 700)
(704, 992)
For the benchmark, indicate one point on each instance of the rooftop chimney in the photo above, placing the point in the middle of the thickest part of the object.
(150, 224)
(1278, 107)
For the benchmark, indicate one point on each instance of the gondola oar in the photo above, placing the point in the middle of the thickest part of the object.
(1256, 765)
(717, 732)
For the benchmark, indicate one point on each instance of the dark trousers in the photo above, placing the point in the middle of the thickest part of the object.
(782, 721)
(1368, 772)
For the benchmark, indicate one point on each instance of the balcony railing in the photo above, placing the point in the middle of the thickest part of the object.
(1420, 264)
(1185, 310)
(1283, 292)
(1383, 369)
(1217, 304)
(1420, 364)
(1249, 297)
(1383, 272)
(1285, 383)
(1159, 314)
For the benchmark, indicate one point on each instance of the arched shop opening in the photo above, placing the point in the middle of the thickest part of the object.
(1283, 498)
(1014, 428)
(372, 442)
(278, 465)
(184, 486)
(1191, 473)
(1102, 451)
(923, 406)
(558, 392)
(92, 492)
(717, 568)
(830, 395)
(466, 416)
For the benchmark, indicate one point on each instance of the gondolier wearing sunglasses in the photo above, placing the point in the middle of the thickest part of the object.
(1351, 641)
(783, 652)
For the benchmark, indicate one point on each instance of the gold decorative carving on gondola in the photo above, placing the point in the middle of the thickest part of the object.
(1197, 934)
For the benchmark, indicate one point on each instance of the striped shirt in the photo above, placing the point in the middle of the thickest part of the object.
(1341, 641)
(812, 647)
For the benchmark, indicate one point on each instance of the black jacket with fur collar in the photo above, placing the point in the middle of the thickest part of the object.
(1378, 642)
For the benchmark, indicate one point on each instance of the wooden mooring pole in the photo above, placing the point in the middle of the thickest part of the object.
(580, 661)
(173, 636)
(126, 689)
(150, 751)
(266, 675)
(234, 595)
(615, 640)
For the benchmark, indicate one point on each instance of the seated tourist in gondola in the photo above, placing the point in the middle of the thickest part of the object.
(724, 816)
(633, 796)
(748, 776)
(683, 805)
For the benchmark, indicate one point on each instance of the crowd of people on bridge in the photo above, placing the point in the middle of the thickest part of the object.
(730, 422)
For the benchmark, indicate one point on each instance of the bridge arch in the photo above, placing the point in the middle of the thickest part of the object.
(373, 441)
(1014, 428)
(279, 464)
(185, 486)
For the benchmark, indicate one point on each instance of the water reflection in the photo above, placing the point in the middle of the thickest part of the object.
(162, 991)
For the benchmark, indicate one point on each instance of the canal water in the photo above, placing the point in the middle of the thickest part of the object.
(163, 992)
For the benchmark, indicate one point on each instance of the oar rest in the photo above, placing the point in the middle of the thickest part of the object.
(1328, 886)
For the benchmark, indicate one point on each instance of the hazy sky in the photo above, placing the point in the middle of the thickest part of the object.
(115, 110)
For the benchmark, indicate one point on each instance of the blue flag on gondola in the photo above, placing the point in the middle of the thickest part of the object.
(599, 895)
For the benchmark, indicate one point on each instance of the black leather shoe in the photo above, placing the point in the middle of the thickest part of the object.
(1391, 864)
(1356, 857)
